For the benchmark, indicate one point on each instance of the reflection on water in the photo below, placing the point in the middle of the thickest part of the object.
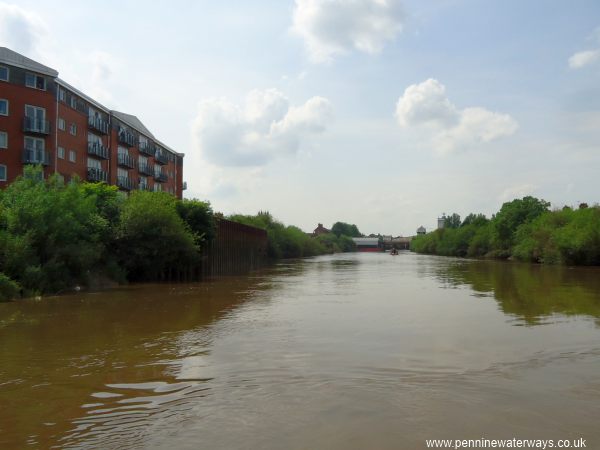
(531, 292)
(344, 351)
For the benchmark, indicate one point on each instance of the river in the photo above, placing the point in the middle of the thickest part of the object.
(349, 351)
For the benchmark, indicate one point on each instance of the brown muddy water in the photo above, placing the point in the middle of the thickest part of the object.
(352, 351)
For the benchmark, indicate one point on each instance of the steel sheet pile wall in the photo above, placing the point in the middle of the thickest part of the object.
(236, 249)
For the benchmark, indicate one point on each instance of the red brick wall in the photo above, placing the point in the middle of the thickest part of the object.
(19, 96)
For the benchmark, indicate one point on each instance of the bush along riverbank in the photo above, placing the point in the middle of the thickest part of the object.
(524, 229)
(291, 242)
(55, 237)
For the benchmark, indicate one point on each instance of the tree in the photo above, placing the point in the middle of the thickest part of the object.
(199, 217)
(452, 221)
(345, 229)
(475, 219)
(152, 238)
(511, 215)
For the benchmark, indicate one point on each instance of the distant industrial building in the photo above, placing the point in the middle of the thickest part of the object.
(367, 244)
(421, 230)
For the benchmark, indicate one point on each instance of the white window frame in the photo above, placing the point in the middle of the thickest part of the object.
(72, 156)
(5, 172)
(35, 79)
(62, 95)
(124, 173)
(7, 107)
(5, 138)
(62, 124)
(60, 152)
(7, 73)
(73, 129)
(35, 141)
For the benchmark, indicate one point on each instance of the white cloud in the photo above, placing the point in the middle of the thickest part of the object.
(335, 27)
(584, 58)
(425, 106)
(261, 129)
(20, 30)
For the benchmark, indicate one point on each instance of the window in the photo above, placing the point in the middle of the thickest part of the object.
(157, 187)
(142, 161)
(61, 152)
(93, 163)
(3, 139)
(122, 151)
(35, 81)
(72, 156)
(32, 143)
(73, 102)
(3, 107)
(122, 173)
(2, 172)
(73, 129)
(143, 182)
(62, 125)
(3, 73)
(35, 150)
(62, 95)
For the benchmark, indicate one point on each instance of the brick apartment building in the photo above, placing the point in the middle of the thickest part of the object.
(44, 120)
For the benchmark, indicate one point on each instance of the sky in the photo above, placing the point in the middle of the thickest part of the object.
(381, 113)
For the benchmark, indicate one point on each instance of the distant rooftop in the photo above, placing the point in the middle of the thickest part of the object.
(13, 58)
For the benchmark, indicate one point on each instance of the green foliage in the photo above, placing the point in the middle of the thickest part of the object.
(452, 221)
(524, 229)
(511, 216)
(199, 218)
(152, 238)
(292, 242)
(51, 236)
(345, 229)
(55, 236)
(9, 289)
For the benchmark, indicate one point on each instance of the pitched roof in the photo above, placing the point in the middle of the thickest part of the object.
(10, 57)
(133, 121)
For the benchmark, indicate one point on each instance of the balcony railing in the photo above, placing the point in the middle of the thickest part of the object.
(97, 149)
(147, 148)
(144, 187)
(96, 123)
(94, 174)
(161, 177)
(127, 138)
(34, 156)
(146, 169)
(126, 183)
(33, 125)
(161, 158)
(126, 161)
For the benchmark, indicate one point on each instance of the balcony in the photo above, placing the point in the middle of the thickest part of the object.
(127, 138)
(97, 149)
(144, 187)
(146, 169)
(147, 148)
(33, 125)
(126, 161)
(126, 183)
(34, 156)
(161, 177)
(161, 158)
(96, 123)
(94, 174)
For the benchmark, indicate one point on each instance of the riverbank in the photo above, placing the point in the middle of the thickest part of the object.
(525, 230)
(55, 237)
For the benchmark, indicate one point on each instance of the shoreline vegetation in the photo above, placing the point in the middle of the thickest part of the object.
(525, 230)
(56, 237)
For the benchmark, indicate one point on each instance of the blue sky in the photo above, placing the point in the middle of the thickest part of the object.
(383, 113)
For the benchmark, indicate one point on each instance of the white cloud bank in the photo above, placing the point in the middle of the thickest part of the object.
(20, 30)
(335, 27)
(425, 106)
(264, 127)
